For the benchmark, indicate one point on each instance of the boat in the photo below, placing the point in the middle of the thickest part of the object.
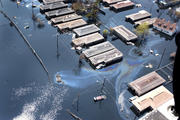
(99, 98)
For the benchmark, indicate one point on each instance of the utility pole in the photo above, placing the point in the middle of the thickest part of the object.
(33, 17)
(161, 58)
(78, 102)
(1, 3)
(57, 42)
(80, 59)
(75, 102)
(103, 85)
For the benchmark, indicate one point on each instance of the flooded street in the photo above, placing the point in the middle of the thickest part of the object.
(26, 93)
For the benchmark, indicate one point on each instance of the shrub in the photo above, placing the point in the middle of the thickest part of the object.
(105, 33)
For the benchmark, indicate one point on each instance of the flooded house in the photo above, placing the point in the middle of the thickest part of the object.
(154, 115)
(123, 5)
(51, 1)
(59, 12)
(48, 7)
(164, 112)
(165, 27)
(149, 21)
(98, 49)
(106, 58)
(65, 18)
(152, 99)
(124, 34)
(146, 83)
(110, 2)
(142, 14)
(169, 3)
(102, 54)
(86, 30)
(88, 40)
(72, 24)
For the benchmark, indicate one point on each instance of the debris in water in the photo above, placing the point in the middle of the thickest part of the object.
(14, 17)
(151, 51)
(138, 5)
(26, 27)
(58, 79)
(18, 2)
(49, 22)
(130, 43)
(100, 66)
(33, 5)
(156, 54)
(149, 65)
(169, 77)
(172, 55)
(78, 48)
(73, 36)
(127, 116)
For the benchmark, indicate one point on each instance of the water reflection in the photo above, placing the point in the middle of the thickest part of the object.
(35, 110)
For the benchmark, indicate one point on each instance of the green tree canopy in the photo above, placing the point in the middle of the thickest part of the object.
(142, 29)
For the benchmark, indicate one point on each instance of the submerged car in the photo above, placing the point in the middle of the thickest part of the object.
(99, 98)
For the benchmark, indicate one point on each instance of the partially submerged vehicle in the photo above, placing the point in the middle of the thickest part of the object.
(99, 98)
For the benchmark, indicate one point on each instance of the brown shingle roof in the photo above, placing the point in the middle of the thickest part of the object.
(165, 25)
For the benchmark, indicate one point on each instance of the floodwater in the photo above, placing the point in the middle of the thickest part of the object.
(27, 94)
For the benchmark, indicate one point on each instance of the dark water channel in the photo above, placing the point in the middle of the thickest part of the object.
(26, 93)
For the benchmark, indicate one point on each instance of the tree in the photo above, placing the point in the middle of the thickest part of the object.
(105, 33)
(92, 14)
(142, 31)
(78, 7)
(93, 10)
(111, 30)
(88, 8)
